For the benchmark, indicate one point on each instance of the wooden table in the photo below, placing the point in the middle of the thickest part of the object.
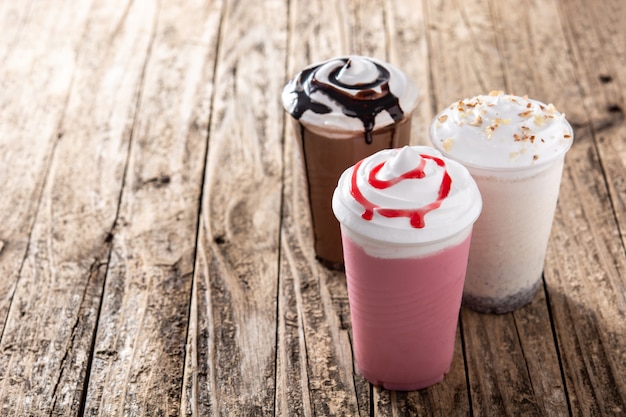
(155, 246)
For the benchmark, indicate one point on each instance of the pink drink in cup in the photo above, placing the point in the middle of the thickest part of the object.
(406, 219)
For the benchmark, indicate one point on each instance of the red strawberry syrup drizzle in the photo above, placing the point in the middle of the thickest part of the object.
(416, 215)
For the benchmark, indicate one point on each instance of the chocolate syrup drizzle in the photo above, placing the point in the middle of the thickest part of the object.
(364, 104)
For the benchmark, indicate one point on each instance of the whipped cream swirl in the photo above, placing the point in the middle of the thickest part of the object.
(352, 93)
(501, 131)
(411, 195)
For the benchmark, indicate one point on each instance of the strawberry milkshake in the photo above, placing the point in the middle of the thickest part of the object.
(406, 220)
(514, 147)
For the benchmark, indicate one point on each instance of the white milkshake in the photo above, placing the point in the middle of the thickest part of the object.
(514, 148)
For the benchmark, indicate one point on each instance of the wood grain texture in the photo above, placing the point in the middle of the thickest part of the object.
(49, 330)
(236, 269)
(407, 41)
(512, 362)
(589, 285)
(34, 97)
(156, 253)
(138, 355)
(314, 361)
(584, 288)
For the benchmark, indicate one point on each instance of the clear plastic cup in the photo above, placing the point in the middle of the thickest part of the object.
(514, 148)
(343, 110)
(405, 250)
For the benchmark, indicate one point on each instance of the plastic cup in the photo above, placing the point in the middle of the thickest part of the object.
(343, 110)
(405, 262)
(516, 155)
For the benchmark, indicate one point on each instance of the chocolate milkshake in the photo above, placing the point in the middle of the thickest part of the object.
(344, 110)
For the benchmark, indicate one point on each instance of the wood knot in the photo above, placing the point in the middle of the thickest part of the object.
(615, 109)
(605, 78)
(160, 181)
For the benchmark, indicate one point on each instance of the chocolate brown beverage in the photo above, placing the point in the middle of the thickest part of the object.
(344, 110)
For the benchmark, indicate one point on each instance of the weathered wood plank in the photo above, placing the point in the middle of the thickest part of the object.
(37, 51)
(533, 54)
(105, 112)
(138, 354)
(49, 330)
(463, 54)
(497, 366)
(602, 78)
(584, 281)
(513, 365)
(236, 268)
(543, 365)
(315, 351)
(99, 116)
(314, 360)
(408, 47)
(588, 277)
(365, 22)
(196, 392)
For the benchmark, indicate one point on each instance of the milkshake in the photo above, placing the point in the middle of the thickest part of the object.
(343, 110)
(514, 148)
(406, 220)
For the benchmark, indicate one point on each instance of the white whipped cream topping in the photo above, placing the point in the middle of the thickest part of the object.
(360, 71)
(501, 131)
(358, 78)
(455, 214)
